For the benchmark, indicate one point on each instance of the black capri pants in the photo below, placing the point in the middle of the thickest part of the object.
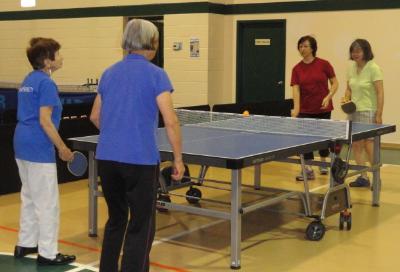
(129, 189)
(325, 115)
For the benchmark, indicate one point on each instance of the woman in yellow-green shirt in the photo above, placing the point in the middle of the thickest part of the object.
(365, 89)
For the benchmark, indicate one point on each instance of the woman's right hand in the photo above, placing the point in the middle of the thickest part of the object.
(344, 100)
(294, 113)
(178, 170)
(65, 154)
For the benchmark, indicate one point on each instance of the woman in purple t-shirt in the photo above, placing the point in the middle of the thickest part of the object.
(312, 95)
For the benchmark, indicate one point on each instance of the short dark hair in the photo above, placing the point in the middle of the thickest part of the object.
(41, 49)
(311, 40)
(365, 47)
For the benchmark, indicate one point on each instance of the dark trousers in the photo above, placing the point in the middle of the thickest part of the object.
(132, 189)
(325, 115)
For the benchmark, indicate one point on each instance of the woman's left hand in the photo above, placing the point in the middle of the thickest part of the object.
(178, 170)
(325, 102)
(379, 119)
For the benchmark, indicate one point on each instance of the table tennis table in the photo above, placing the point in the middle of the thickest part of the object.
(234, 142)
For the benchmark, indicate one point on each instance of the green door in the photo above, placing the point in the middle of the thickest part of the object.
(261, 48)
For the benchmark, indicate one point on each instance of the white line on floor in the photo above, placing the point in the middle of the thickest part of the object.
(387, 164)
(81, 267)
(8, 253)
(166, 239)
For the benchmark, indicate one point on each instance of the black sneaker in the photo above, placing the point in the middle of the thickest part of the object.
(360, 182)
(310, 175)
(60, 259)
(20, 251)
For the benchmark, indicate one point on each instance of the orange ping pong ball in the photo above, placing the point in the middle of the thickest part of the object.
(246, 113)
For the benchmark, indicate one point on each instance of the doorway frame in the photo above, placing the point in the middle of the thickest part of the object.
(239, 50)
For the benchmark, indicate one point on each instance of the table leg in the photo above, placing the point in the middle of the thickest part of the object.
(331, 179)
(93, 190)
(376, 172)
(307, 208)
(257, 177)
(202, 173)
(236, 218)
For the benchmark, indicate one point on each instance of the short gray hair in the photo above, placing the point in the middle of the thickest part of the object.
(139, 34)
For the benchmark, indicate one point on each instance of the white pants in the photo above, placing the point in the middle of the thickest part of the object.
(39, 220)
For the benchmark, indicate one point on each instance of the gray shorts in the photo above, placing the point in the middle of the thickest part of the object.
(368, 117)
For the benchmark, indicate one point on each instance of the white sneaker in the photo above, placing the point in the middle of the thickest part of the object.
(323, 170)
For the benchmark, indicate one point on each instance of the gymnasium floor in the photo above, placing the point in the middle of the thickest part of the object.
(271, 241)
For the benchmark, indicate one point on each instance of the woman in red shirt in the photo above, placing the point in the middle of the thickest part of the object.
(314, 83)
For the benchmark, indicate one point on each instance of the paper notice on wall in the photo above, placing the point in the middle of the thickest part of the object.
(194, 48)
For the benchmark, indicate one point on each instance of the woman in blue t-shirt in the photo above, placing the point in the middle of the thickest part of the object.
(39, 114)
(132, 92)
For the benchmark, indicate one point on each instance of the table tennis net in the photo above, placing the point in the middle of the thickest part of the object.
(268, 124)
(76, 88)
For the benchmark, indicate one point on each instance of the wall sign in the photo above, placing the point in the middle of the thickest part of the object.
(262, 42)
(194, 48)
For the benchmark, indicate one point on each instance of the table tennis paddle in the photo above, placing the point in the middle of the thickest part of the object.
(349, 107)
(78, 165)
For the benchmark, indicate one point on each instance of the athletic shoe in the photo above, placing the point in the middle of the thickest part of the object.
(360, 182)
(323, 170)
(60, 259)
(310, 175)
(20, 251)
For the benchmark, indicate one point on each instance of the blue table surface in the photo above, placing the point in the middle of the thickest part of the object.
(233, 144)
